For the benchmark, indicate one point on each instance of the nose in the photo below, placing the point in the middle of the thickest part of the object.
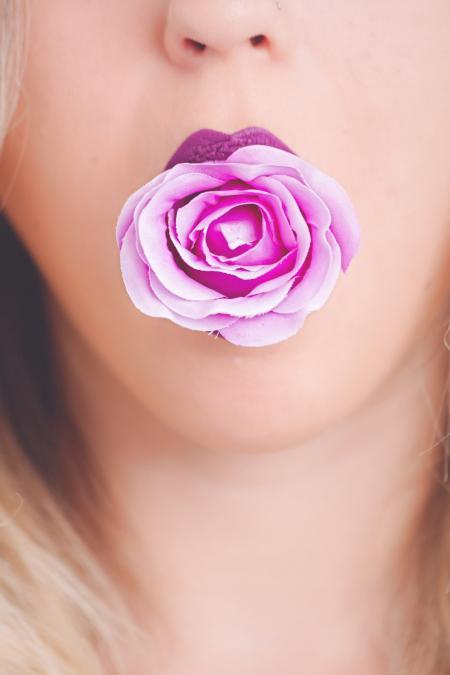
(196, 30)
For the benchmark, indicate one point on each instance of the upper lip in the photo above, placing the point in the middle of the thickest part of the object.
(208, 144)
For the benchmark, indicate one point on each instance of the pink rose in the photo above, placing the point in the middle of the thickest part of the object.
(246, 247)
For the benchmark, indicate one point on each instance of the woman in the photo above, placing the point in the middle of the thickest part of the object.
(171, 502)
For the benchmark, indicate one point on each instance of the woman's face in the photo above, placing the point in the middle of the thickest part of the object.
(359, 89)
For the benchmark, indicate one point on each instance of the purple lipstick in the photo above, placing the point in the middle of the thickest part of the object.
(207, 145)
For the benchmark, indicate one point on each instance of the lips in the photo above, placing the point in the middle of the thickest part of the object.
(207, 145)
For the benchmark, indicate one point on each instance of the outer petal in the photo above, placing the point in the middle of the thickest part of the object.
(313, 208)
(291, 207)
(267, 155)
(152, 228)
(344, 223)
(135, 277)
(265, 329)
(228, 170)
(332, 276)
(236, 307)
(136, 280)
(125, 217)
(314, 289)
(314, 276)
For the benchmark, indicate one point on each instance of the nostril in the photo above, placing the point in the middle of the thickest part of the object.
(194, 45)
(257, 40)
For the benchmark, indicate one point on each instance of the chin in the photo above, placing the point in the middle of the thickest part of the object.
(244, 403)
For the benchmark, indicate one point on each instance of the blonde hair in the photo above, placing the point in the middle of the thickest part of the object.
(59, 608)
(60, 612)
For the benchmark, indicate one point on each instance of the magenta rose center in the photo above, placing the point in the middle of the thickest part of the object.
(232, 232)
(235, 231)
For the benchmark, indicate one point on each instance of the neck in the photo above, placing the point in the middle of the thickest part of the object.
(298, 555)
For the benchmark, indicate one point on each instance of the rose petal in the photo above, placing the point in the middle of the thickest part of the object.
(344, 223)
(250, 258)
(262, 330)
(203, 208)
(265, 155)
(332, 276)
(200, 268)
(294, 214)
(276, 275)
(314, 210)
(235, 283)
(125, 217)
(230, 170)
(151, 229)
(321, 258)
(239, 306)
(260, 256)
(135, 277)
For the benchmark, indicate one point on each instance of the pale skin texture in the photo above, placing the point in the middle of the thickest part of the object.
(273, 491)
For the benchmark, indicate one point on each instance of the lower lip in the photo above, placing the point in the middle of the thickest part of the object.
(209, 145)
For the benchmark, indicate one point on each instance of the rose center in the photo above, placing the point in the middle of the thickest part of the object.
(239, 226)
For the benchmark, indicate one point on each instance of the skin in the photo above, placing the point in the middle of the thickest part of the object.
(249, 482)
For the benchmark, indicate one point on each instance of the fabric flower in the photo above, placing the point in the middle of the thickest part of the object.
(244, 248)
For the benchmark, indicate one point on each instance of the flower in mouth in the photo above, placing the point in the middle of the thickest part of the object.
(244, 248)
